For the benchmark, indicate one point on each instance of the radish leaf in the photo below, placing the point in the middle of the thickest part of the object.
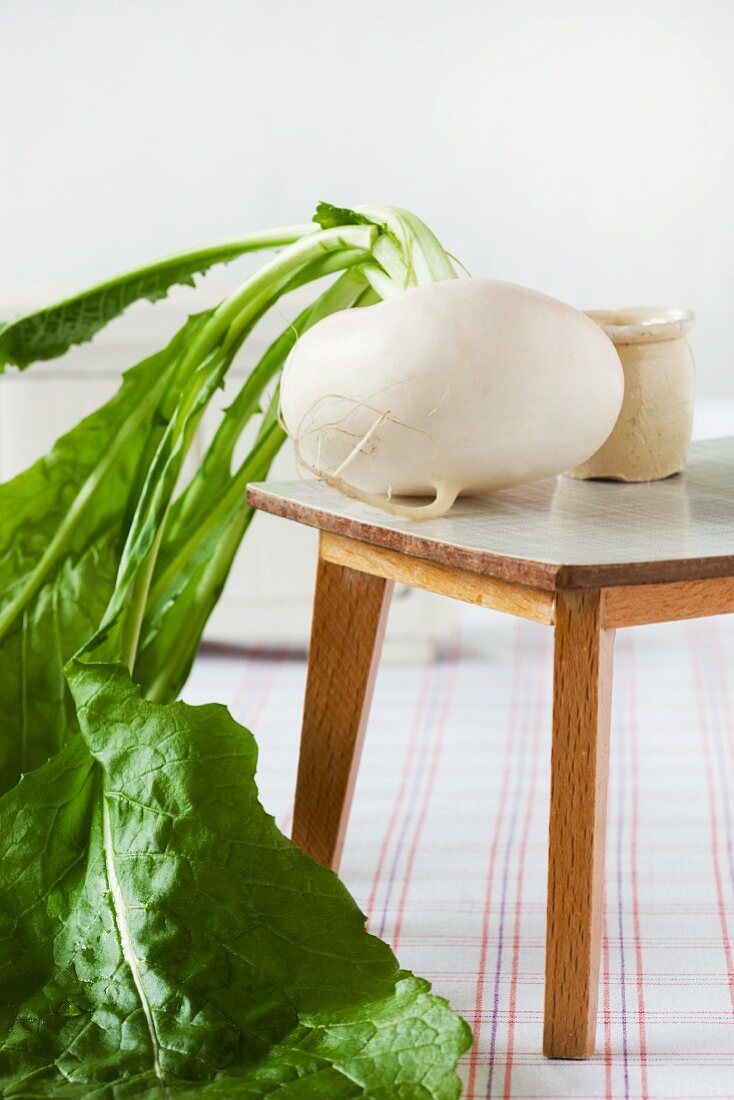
(158, 935)
(48, 333)
(161, 938)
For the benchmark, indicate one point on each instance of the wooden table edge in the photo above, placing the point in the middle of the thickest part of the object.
(549, 576)
(493, 593)
(621, 606)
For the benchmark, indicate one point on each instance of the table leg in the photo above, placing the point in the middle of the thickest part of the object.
(582, 695)
(349, 616)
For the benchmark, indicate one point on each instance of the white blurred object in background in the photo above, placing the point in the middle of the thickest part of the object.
(582, 148)
(579, 147)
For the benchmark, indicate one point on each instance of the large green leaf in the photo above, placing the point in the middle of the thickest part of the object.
(48, 333)
(160, 938)
(63, 526)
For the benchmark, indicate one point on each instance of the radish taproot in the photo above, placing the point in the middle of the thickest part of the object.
(459, 387)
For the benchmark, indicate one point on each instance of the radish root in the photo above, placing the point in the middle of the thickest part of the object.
(443, 501)
(445, 493)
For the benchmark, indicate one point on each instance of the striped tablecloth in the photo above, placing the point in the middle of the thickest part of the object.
(446, 850)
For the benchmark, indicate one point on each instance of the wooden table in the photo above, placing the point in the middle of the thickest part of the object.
(583, 557)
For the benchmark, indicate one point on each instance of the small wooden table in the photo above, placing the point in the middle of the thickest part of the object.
(583, 557)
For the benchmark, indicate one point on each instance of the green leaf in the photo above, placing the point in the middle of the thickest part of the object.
(63, 526)
(160, 938)
(48, 333)
(330, 217)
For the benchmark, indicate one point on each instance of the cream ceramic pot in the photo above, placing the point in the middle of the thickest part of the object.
(651, 437)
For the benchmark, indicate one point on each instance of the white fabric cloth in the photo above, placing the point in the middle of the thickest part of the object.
(446, 849)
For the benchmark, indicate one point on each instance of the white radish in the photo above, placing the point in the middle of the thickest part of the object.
(459, 387)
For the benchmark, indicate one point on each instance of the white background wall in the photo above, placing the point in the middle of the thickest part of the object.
(582, 147)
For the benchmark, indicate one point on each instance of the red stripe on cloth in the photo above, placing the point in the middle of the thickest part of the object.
(634, 827)
(407, 770)
(246, 677)
(725, 742)
(703, 725)
(540, 709)
(668, 925)
(511, 742)
(427, 731)
(607, 1008)
(427, 794)
(272, 667)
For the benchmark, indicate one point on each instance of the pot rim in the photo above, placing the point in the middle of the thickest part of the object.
(636, 324)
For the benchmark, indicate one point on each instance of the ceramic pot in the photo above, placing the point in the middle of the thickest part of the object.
(651, 436)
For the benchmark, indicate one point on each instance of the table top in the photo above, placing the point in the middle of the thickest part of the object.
(557, 533)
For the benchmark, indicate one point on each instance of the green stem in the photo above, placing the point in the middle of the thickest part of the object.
(421, 251)
(236, 487)
(238, 310)
(126, 608)
(342, 294)
(218, 341)
(132, 620)
(179, 656)
(251, 300)
(229, 510)
(384, 285)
